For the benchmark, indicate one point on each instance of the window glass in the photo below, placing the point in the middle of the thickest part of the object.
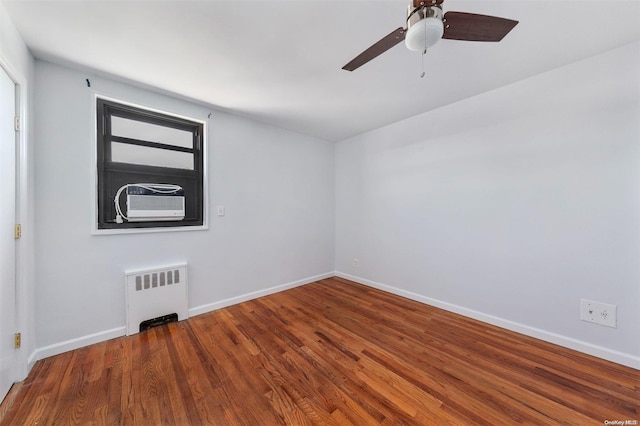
(133, 129)
(137, 154)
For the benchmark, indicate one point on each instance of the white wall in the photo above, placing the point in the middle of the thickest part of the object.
(510, 206)
(15, 57)
(12, 47)
(277, 188)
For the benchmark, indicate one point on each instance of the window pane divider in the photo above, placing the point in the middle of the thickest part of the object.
(148, 144)
(144, 169)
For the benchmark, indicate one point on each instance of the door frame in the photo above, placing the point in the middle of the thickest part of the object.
(24, 317)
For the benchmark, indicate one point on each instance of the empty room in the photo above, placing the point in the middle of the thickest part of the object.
(295, 212)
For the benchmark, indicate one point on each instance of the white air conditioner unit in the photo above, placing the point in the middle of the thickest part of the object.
(154, 201)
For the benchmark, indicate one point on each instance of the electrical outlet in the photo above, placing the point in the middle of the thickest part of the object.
(597, 312)
(356, 263)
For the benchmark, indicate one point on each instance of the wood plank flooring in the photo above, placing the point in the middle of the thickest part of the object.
(332, 352)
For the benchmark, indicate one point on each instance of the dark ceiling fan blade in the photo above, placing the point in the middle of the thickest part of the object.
(377, 49)
(472, 27)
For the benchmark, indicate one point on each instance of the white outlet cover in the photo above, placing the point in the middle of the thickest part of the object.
(598, 313)
(220, 210)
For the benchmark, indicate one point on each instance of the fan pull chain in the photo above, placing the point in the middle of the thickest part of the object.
(424, 52)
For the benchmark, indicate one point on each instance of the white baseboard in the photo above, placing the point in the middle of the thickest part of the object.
(203, 309)
(31, 361)
(79, 342)
(567, 342)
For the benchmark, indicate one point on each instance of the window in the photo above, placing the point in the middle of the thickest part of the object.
(150, 168)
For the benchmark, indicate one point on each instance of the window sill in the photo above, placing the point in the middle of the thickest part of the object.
(99, 232)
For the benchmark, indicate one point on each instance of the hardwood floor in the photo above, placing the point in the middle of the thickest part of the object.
(331, 352)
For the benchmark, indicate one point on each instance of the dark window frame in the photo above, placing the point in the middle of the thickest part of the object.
(112, 175)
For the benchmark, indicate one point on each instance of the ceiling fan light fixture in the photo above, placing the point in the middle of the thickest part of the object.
(424, 27)
(424, 34)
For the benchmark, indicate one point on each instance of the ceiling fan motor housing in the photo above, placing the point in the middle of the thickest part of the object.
(424, 27)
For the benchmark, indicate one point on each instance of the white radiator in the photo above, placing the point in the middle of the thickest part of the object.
(153, 293)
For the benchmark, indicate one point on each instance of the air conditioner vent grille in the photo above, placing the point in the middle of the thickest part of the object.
(154, 202)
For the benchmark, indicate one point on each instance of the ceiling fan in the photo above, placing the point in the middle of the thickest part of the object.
(426, 24)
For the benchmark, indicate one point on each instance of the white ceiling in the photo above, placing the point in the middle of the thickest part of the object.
(280, 61)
